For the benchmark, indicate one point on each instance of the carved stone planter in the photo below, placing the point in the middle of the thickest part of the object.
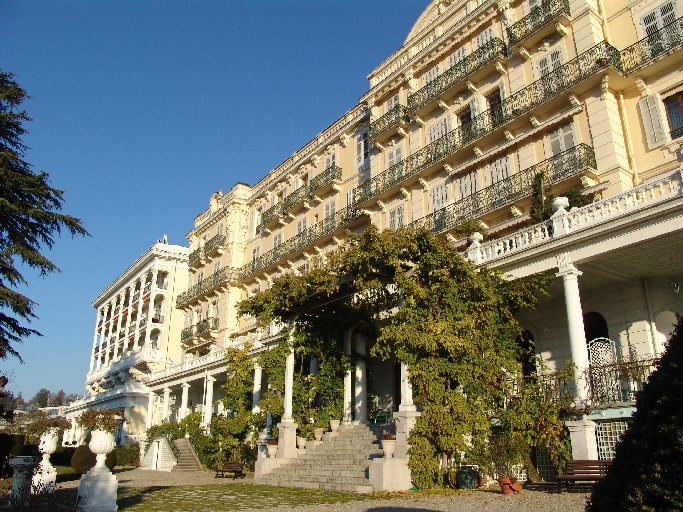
(98, 487)
(389, 447)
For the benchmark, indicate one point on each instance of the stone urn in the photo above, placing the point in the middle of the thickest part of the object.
(334, 426)
(300, 442)
(98, 487)
(318, 434)
(272, 450)
(101, 443)
(389, 447)
(44, 479)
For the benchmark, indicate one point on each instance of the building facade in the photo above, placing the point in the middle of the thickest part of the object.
(137, 331)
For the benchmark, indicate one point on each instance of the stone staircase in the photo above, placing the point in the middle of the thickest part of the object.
(187, 458)
(339, 464)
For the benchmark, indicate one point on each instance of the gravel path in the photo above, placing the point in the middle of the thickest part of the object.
(135, 477)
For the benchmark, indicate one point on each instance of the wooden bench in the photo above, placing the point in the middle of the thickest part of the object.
(231, 467)
(583, 471)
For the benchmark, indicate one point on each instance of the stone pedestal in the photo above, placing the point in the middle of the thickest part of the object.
(390, 475)
(265, 466)
(21, 482)
(262, 446)
(44, 479)
(286, 441)
(405, 422)
(98, 487)
(584, 443)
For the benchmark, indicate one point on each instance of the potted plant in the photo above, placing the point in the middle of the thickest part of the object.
(505, 452)
(318, 433)
(272, 448)
(388, 445)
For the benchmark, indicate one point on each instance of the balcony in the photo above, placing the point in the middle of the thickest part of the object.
(297, 243)
(186, 334)
(195, 257)
(158, 319)
(320, 185)
(618, 382)
(537, 24)
(136, 296)
(488, 126)
(654, 48)
(215, 280)
(386, 126)
(143, 322)
(148, 288)
(578, 161)
(206, 329)
(206, 326)
(473, 67)
(214, 246)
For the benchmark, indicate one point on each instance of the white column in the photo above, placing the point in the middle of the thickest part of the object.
(150, 308)
(289, 384)
(256, 393)
(93, 361)
(183, 400)
(150, 410)
(136, 345)
(406, 390)
(577, 336)
(208, 402)
(165, 411)
(361, 388)
(107, 334)
(124, 425)
(347, 380)
(118, 328)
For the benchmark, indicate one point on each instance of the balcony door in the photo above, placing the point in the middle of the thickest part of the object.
(659, 38)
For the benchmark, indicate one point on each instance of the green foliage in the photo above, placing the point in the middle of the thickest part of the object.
(172, 431)
(505, 450)
(29, 218)
(541, 199)
(645, 474)
(101, 419)
(83, 459)
(576, 198)
(127, 455)
(40, 423)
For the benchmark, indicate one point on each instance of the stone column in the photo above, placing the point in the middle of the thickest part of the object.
(314, 365)
(150, 410)
(183, 400)
(136, 344)
(118, 356)
(289, 384)
(577, 336)
(107, 334)
(347, 380)
(584, 442)
(124, 425)
(93, 361)
(256, 393)
(150, 308)
(406, 416)
(208, 401)
(287, 428)
(165, 409)
(361, 388)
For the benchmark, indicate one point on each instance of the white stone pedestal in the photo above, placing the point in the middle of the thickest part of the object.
(286, 441)
(584, 443)
(405, 422)
(21, 481)
(46, 476)
(98, 489)
(390, 475)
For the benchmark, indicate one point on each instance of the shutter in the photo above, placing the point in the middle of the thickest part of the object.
(653, 121)
(457, 56)
(350, 196)
(252, 226)
(399, 215)
(556, 59)
(475, 105)
(391, 103)
(431, 74)
(390, 158)
(333, 207)
(667, 13)
(567, 136)
(533, 4)
(398, 154)
(555, 143)
(501, 88)
(650, 23)
(392, 218)
(543, 67)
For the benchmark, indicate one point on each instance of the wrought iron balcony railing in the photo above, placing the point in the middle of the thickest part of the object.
(204, 286)
(208, 324)
(194, 256)
(457, 73)
(302, 193)
(536, 19)
(507, 191)
(216, 241)
(389, 120)
(592, 61)
(187, 333)
(618, 382)
(298, 242)
(655, 45)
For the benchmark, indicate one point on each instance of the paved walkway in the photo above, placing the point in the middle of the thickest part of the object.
(136, 477)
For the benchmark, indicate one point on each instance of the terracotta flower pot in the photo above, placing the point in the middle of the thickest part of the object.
(505, 485)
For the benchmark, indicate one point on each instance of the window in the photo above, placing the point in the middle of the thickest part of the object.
(653, 23)
(483, 37)
(394, 155)
(277, 239)
(200, 276)
(330, 208)
(494, 101)
(255, 253)
(216, 266)
(438, 129)
(499, 169)
(391, 103)
(330, 160)
(362, 149)
(430, 75)
(468, 184)
(465, 116)
(561, 139)
(350, 196)
(252, 223)
(533, 4)
(674, 112)
(457, 56)
(438, 196)
(545, 67)
(301, 225)
(396, 217)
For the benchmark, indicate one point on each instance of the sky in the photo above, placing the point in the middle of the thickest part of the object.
(143, 108)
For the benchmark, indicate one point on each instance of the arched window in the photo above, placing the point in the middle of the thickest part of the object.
(527, 353)
(595, 326)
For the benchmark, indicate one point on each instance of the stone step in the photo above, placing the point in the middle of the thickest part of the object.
(294, 480)
(360, 489)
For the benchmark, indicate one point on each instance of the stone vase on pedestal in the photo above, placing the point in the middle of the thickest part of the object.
(98, 487)
(44, 479)
(389, 447)
(334, 426)
(272, 450)
(301, 442)
(21, 481)
(318, 434)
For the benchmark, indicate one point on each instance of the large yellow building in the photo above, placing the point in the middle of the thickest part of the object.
(481, 98)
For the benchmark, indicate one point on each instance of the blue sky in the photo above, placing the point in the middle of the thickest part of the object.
(142, 109)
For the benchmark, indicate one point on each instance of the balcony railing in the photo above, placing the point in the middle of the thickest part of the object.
(147, 289)
(143, 322)
(297, 242)
(216, 241)
(618, 382)
(158, 319)
(507, 191)
(136, 296)
(204, 286)
(655, 45)
(536, 19)
(208, 324)
(457, 73)
(194, 256)
(395, 115)
(187, 333)
(591, 61)
(302, 193)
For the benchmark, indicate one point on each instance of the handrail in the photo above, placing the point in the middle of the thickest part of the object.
(655, 45)
(194, 256)
(536, 19)
(205, 285)
(458, 72)
(394, 116)
(216, 241)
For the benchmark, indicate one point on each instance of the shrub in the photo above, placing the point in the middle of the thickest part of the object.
(62, 456)
(648, 462)
(101, 419)
(83, 459)
(128, 455)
